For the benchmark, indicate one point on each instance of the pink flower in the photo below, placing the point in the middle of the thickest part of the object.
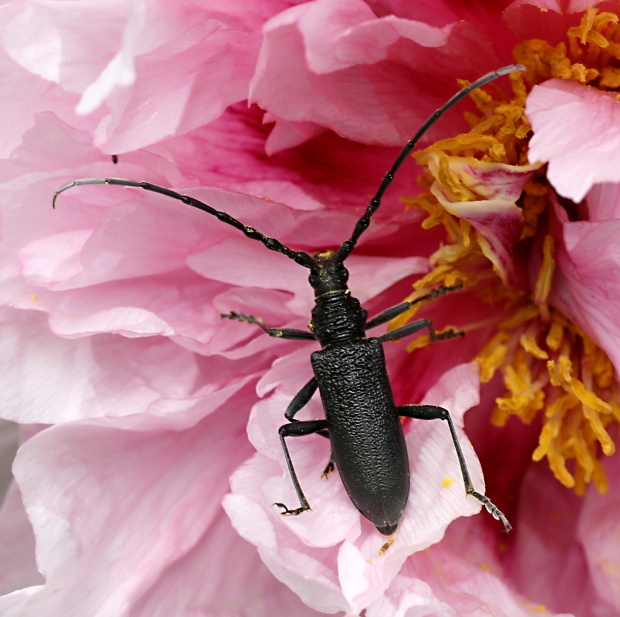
(135, 399)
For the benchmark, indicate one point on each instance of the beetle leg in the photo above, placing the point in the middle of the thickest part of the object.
(331, 465)
(301, 399)
(297, 429)
(431, 412)
(299, 402)
(415, 326)
(287, 333)
(398, 309)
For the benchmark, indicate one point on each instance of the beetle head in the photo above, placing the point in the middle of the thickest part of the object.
(329, 275)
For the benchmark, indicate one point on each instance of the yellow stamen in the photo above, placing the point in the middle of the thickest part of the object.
(545, 275)
(493, 356)
(530, 345)
(589, 30)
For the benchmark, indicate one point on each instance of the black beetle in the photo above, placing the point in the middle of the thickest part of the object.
(361, 421)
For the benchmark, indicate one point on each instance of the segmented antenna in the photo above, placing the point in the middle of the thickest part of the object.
(303, 259)
(273, 244)
(362, 224)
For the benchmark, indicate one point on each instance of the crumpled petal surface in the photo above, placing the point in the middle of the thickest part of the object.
(575, 128)
(387, 63)
(485, 194)
(587, 280)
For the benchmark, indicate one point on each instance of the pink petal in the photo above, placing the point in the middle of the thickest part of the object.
(576, 131)
(603, 202)
(548, 539)
(113, 510)
(462, 576)
(597, 531)
(587, 288)
(328, 172)
(239, 585)
(112, 327)
(387, 63)
(544, 5)
(151, 382)
(489, 192)
(28, 97)
(122, 50)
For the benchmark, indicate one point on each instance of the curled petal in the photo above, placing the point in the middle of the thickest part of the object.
(171, 67)
(577, 132)
(587, 287)
(485, 194)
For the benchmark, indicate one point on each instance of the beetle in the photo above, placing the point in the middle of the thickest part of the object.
(362, 421)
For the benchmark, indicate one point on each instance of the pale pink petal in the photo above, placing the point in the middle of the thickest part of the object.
(241, 585)
(114, 510)
(436, 475)
(243, 263)
(396, 71)
(151, 382)
(308, 571)
(576, 131)
(29, 96)
(170, 67)
(587, 285)
(143, 245)
(598, 532)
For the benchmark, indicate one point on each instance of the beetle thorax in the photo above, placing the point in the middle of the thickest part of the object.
(337, 317)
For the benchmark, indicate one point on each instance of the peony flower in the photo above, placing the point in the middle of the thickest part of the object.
(149, 457)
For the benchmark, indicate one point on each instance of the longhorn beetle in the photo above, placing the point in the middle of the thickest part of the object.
(361, 419)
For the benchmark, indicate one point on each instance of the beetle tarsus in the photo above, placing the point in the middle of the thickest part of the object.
(492, 509)
(328, 469)
(448, 334)
(294, 512)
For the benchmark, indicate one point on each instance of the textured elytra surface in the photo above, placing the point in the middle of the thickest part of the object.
(364, 428)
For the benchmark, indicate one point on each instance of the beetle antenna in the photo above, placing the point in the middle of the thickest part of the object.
(362, 224)
(303, 259)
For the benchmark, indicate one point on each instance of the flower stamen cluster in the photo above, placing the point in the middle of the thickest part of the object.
(500, 245)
